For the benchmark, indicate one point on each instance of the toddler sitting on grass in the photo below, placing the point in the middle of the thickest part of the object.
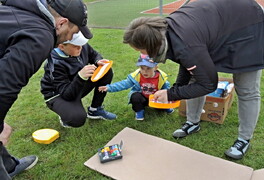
(143, 82)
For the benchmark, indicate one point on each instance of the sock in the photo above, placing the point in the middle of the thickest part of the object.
(15, 165)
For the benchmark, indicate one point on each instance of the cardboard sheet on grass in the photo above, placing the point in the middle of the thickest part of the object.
(146, 157)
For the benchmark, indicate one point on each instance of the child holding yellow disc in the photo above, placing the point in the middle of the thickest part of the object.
(67, 80)
(143, 82)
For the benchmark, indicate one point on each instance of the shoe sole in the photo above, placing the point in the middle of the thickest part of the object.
(236, 157)
(95, 117)
(33, 164)
(65, 126)
(187, 134)
(139, 119)
(98, 117)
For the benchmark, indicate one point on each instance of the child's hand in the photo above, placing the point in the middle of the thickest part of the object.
(161, 96)
(102, 62)
(102, 89)
(87, 71)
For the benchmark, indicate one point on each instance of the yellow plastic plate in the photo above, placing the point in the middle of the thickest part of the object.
(101, 71)
(159, 105)
(45, 136)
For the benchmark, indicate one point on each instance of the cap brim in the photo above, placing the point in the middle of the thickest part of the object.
(151, 65)
(77, 41)
(86, 32)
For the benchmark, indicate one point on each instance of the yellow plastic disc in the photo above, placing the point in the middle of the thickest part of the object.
(160, 105)
(45, 136)
(101, 71)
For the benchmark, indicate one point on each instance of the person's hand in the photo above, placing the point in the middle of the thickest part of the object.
(5, 134)
(102, 89)
(161, 96)
(102, 62)
(87, 71)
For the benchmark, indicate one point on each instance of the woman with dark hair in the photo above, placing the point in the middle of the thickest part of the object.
(206, 37)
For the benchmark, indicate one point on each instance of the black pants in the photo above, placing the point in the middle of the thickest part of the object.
(7, 163)
(138, 101)
(72, 112)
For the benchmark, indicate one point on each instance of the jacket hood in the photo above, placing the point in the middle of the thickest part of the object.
(38, 7)
(59, 55)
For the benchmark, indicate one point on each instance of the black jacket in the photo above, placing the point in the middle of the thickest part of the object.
(27, 37)
(210, 36)
(61, 73)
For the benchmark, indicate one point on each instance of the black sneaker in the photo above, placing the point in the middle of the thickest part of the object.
(187, 128)
(24, 164)
(238, 149)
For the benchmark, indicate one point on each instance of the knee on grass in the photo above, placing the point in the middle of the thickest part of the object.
(75, 120)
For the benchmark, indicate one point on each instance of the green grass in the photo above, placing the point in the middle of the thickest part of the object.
(64, 158)
(118, 13)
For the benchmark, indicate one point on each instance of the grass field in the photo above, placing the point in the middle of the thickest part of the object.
(118, 13)
(64, 158)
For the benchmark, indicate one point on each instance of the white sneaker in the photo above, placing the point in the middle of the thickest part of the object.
(238, 150)
(187, 128)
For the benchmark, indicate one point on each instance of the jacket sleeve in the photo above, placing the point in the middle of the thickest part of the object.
(68, 89)
(23, 57)
(202, 69)
(121, 85)
(183, 77)
(93, 55)
(166, 85)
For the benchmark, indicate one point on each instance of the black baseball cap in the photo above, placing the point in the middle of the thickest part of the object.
(75, 11)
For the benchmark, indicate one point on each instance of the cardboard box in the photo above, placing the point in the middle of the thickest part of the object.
(147, 157)
(216, 108)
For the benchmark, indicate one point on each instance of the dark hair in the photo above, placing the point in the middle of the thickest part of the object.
(146, 33)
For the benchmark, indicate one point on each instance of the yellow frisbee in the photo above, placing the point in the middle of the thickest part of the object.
(160, 105)
(45, 136)
(101, 71)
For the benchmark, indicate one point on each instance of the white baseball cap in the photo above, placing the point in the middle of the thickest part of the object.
(77, 39)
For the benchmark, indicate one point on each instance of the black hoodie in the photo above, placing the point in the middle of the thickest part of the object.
(27, 37)
(210, 36)
(61, 73)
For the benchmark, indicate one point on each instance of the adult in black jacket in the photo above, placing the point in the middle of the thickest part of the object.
(29, 31)
(206, 37)
(67, 80)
